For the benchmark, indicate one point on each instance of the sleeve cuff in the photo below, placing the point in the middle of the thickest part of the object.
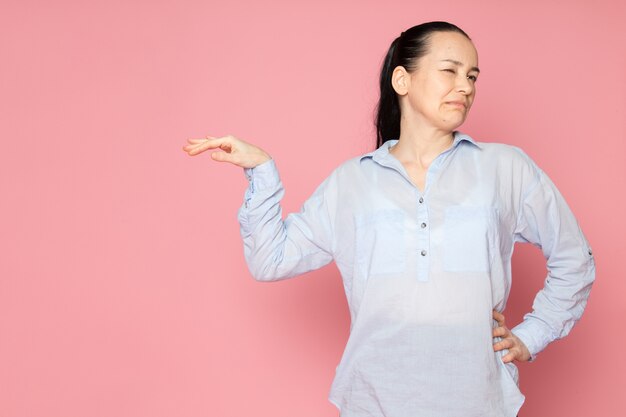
(533, 335)
(262, 176)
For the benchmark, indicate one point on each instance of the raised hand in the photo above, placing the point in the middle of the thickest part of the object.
(517, 349)
(229, 149)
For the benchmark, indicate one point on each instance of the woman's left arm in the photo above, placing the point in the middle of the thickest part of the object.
(545, 220)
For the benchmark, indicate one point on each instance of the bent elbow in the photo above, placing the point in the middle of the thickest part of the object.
(264, 273)
(260, 277)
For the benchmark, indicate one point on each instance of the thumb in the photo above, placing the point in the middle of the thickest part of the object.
(222, 156)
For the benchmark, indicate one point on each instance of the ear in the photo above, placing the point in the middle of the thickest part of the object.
(400, 80)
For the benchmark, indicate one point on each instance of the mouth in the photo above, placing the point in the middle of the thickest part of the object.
(458, 104)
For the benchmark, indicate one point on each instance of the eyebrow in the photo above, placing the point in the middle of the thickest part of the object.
(458, 64)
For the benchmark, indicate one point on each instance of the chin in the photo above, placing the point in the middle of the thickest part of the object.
(449, 126)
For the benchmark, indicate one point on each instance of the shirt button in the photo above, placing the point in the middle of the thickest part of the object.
(421, 200)
(423, 253)
(423, 225)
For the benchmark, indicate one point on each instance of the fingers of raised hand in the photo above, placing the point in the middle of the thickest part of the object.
(197, 146)
(230, 149)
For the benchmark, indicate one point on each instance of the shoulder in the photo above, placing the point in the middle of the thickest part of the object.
(347, 178)
(511, 165)
(503, 150)
(350, 167)
(509, 156)
(492, 150)
(338, 177)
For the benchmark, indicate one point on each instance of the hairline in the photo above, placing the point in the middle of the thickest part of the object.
(428, 44)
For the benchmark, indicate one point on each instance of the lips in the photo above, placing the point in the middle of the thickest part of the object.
(459, 104)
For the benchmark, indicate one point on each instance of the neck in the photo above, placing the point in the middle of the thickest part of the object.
(421, 145)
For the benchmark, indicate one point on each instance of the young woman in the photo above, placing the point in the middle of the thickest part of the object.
(422, 230)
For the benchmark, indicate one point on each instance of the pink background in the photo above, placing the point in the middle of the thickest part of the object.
(123, 288)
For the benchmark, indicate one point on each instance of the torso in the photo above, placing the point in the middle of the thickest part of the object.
(401, 300)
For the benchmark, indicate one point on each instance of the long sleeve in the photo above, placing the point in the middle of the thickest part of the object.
(546, 221)
(275, 249)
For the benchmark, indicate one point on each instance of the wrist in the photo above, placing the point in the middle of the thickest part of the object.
(263, 157)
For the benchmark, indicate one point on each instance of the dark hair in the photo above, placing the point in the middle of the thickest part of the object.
(405, 50)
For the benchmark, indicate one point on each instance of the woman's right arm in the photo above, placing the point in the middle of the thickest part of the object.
(274, 249)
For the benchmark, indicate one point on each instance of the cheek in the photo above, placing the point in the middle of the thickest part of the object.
(441, 86)
(472, 96)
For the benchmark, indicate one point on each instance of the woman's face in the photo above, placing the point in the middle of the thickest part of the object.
(440, 91)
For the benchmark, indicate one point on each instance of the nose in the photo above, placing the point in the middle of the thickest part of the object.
(464, 85)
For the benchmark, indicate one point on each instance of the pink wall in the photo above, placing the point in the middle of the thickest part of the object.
(123, 289)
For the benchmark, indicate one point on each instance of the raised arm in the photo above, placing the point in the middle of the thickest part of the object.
(274, 248)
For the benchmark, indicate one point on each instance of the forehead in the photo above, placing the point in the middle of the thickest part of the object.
(452, 46)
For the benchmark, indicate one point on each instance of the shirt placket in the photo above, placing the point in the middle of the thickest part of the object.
(423, 237)
(423, 202)
(421, 208)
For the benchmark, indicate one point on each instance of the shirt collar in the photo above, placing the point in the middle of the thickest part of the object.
(383, 150)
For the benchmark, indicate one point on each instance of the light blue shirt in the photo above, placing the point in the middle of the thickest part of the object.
(423, 269)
